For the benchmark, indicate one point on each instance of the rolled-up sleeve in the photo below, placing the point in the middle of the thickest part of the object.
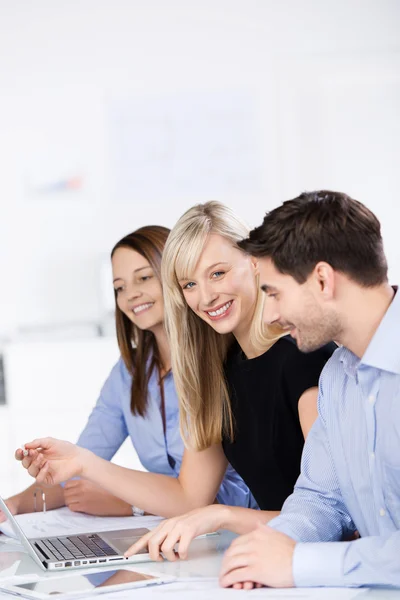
(106, 428)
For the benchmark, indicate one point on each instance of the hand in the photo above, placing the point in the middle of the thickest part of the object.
(264, 556)
(52, 461)
(12, 507)
(83, 496)
(179, 530)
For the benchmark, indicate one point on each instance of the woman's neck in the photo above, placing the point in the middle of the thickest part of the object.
(246, 345)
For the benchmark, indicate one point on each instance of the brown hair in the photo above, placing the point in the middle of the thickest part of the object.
(321, 226)
(138, 346)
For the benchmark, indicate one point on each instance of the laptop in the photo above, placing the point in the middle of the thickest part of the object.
(80, 550)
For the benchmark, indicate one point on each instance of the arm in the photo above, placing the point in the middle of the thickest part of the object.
(103, 434)
(24, 502)
(308, 411)
(182, 530)
(316, 511)
(52, 461)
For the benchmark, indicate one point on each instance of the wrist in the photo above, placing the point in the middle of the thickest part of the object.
(14, 503)
(226, 517)
(87, 463)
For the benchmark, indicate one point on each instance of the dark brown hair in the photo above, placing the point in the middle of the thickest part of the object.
(138, 347)
(321, 226)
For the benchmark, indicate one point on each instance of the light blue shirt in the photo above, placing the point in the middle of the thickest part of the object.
(112, 421)
(350, 472)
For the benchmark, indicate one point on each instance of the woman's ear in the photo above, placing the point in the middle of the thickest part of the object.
(254, 263)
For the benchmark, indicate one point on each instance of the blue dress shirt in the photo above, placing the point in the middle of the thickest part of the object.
(350, 472)
(112, 421)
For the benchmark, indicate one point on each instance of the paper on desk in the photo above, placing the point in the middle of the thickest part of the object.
(63, 521)
(209, 589)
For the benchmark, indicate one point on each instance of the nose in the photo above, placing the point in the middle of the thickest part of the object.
(270, 312)
(208, 295)
(133, 292)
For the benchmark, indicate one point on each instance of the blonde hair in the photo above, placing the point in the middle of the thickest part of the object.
(198, 352)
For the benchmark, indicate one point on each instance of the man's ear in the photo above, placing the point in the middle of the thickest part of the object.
(324, 278)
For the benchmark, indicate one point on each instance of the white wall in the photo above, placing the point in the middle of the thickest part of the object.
(308, 91)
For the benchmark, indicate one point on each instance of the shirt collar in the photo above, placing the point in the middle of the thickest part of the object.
(383, 351)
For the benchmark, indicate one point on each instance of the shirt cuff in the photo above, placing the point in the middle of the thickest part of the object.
(319, 564)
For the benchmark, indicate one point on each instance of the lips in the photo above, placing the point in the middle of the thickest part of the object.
(140, 308)
(220, 311)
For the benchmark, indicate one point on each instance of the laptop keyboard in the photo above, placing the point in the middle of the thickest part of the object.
(78, 546)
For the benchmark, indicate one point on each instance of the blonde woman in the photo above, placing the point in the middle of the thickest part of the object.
(247, 394)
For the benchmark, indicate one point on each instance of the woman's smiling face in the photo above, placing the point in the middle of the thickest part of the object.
(222, 289)
(138, 290)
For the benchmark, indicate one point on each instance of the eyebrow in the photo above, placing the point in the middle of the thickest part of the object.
(208, 269)
(135, 271)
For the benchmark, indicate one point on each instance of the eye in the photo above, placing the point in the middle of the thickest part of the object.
(217, 274)
(189, 285)
(119, 289)
(146, 277)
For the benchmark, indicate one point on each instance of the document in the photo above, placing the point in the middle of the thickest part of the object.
(63, 521)
(208, 589)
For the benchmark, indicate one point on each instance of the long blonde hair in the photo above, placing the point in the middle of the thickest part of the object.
(198, 352)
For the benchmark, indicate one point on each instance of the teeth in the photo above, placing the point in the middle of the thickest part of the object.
(142, 307)
(220, 311)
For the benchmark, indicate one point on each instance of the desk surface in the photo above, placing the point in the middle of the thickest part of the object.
(204, 561)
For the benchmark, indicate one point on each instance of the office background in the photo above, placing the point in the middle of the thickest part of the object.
(116, 114)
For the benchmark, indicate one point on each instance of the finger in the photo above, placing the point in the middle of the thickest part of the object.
(139, 545)
(19, 454)
(36, 465)
(72, 483)
(154, 545)
(43, 476)
(240, 575)
(71, 498)
(28, 460)
(169, 553)
(184, 543)
(43, 443)
(168, 546)
(75, 507)
(248, 585)
(236, 562)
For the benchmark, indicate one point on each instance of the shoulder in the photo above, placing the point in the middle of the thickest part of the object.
(119, 373)
(334, 366)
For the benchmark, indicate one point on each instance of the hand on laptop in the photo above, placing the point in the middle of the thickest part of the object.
(52, 461)
(81, 495)
(181, 531)
(12, 507)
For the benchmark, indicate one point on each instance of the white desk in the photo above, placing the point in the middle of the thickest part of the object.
(204, 561)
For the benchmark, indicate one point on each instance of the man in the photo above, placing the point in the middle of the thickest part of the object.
(324, 272)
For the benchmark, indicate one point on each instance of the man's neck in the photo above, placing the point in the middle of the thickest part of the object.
(364, 309)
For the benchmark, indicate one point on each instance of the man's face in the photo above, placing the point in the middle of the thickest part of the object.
(299, 308)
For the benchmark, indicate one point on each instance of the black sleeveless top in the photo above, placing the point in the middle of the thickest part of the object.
(268, 440)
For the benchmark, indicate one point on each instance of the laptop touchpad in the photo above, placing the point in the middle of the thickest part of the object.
(122, 540)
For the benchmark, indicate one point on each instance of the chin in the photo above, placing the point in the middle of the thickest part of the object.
(223, 327)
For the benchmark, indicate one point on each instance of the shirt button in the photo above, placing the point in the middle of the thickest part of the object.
(382, 512)
(371, 399)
